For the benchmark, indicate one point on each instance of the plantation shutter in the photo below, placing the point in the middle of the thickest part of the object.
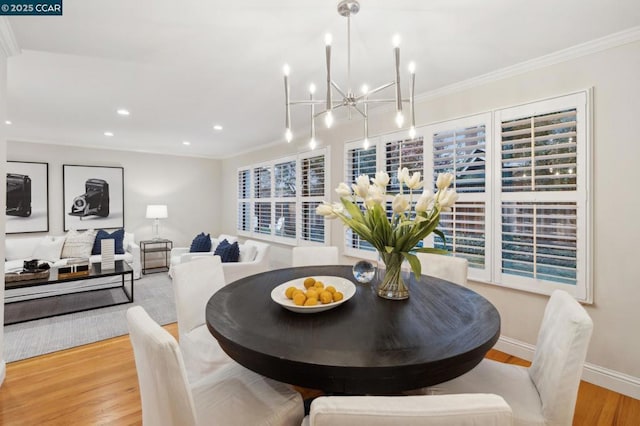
(460, 147)
(243, 223)
(285, 201)
(358, 161)
(313, 187)
(542, 197)
(261, 220)
(402, 153)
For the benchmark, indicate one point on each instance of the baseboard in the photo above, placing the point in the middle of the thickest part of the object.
(601, 376)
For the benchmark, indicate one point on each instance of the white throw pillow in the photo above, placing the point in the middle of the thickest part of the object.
(49, 248)
(78, 244)
(247, 253)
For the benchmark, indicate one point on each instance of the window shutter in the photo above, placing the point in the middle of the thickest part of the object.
(407, 153)
(244, 202)
(313, 184)
(460, 147)
(358, 161)
(541, 196)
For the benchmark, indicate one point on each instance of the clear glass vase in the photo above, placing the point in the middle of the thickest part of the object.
(392, 285)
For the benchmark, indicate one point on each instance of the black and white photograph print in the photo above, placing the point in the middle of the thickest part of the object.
(93, 197)
(27, 197)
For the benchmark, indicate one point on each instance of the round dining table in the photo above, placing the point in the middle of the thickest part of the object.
(366, 345)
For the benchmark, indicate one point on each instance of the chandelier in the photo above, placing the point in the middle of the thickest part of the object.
(354, 103)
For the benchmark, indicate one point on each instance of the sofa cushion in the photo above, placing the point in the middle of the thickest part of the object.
(49, 248)
(117, 236)
(228, 252)
(247, 253)
(201, 243)
(78, 244)
(20, 248)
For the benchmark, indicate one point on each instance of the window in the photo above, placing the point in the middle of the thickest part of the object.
(521, 173)
(541, 196)
(460, 147)
(281, 201)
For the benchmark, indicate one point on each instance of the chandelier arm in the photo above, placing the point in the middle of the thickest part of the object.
(380, 101)
(374, 91)
(412, 88)
(314, 102)
(398, 92)
(360, 111)
(335, 86)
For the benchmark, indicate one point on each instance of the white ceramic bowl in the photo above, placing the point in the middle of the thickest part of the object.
(343, 285)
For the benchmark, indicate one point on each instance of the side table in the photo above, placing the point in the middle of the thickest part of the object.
(155, 246)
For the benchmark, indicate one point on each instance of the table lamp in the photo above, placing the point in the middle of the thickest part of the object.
(157, 212)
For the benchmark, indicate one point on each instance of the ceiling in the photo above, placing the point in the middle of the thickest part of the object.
(180, 67)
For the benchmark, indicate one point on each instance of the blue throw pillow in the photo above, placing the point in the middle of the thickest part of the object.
(117, 236)
(228, 252)
(201, 243)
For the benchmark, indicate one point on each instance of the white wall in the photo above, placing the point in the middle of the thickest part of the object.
(614, 75)
(188, 186)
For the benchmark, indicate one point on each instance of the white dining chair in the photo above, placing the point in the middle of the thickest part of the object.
(231, 395)
(437, 410)
(194, 283)
(546, 392)
(310, 256)
(447, 268)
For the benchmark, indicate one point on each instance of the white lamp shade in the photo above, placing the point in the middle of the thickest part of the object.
(157, 211)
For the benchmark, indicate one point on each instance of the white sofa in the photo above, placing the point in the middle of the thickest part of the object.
(254, 257)
(19, 249)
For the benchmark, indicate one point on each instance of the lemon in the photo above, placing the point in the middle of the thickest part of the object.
(309, 282)
(337, 296)
(289, 292)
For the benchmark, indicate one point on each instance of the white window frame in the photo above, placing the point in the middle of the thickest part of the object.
(297, 200)
(583, 289)
(493, 196)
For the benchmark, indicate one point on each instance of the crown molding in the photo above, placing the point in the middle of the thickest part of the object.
(8, 44)
(613, 40)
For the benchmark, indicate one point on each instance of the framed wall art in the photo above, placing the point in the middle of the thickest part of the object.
(27, 197)
(93, 197)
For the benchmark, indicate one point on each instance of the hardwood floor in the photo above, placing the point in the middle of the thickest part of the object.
(96, 384)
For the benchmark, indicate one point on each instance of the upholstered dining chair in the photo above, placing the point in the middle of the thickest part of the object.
(194, 283)
(546, 392)
(309, 256)
(448, 268)
(232, 395)
(437, 410)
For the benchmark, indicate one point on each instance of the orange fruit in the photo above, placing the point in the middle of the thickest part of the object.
(309, 282)
(289, 292)
(337, 296)
(326, 297)
(312, 301)
(299, 298)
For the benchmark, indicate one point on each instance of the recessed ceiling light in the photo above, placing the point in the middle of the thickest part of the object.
(186, 143)
(8, 122)
(217, 127)
(123, 111)
(108, 133)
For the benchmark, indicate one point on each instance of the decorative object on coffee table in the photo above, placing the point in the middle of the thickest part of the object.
(107, 250)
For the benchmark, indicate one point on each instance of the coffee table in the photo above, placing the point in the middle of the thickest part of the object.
(51, 300)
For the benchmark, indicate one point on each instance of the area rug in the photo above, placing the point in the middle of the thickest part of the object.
(25, 340)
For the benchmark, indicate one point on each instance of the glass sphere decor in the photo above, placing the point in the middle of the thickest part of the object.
(364, 271)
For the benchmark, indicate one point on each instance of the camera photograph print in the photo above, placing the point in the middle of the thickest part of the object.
(27, 197)
(93, 197)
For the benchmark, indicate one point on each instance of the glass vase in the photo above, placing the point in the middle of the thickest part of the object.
(392, 285)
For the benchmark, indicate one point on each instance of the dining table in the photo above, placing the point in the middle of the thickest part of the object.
(366, 345)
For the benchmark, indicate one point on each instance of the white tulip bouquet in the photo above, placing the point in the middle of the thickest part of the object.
(362, 208)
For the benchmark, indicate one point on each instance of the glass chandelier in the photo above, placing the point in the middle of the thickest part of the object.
(348, 99)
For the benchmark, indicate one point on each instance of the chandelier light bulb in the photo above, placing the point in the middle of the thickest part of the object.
(365, 143)
(399, 119)
(288, 135)
(328, 38)
(286, 69)
(396, 40)
(364, 89)
(412, 132)
(328, 119)
(312, 88)
(412, 67)
(312, 143)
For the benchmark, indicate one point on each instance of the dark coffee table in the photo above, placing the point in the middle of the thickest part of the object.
(368, 345)
(50, 300)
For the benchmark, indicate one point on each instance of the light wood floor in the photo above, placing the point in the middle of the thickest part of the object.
(96, 384)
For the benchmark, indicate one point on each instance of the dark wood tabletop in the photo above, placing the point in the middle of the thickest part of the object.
(367, 345)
